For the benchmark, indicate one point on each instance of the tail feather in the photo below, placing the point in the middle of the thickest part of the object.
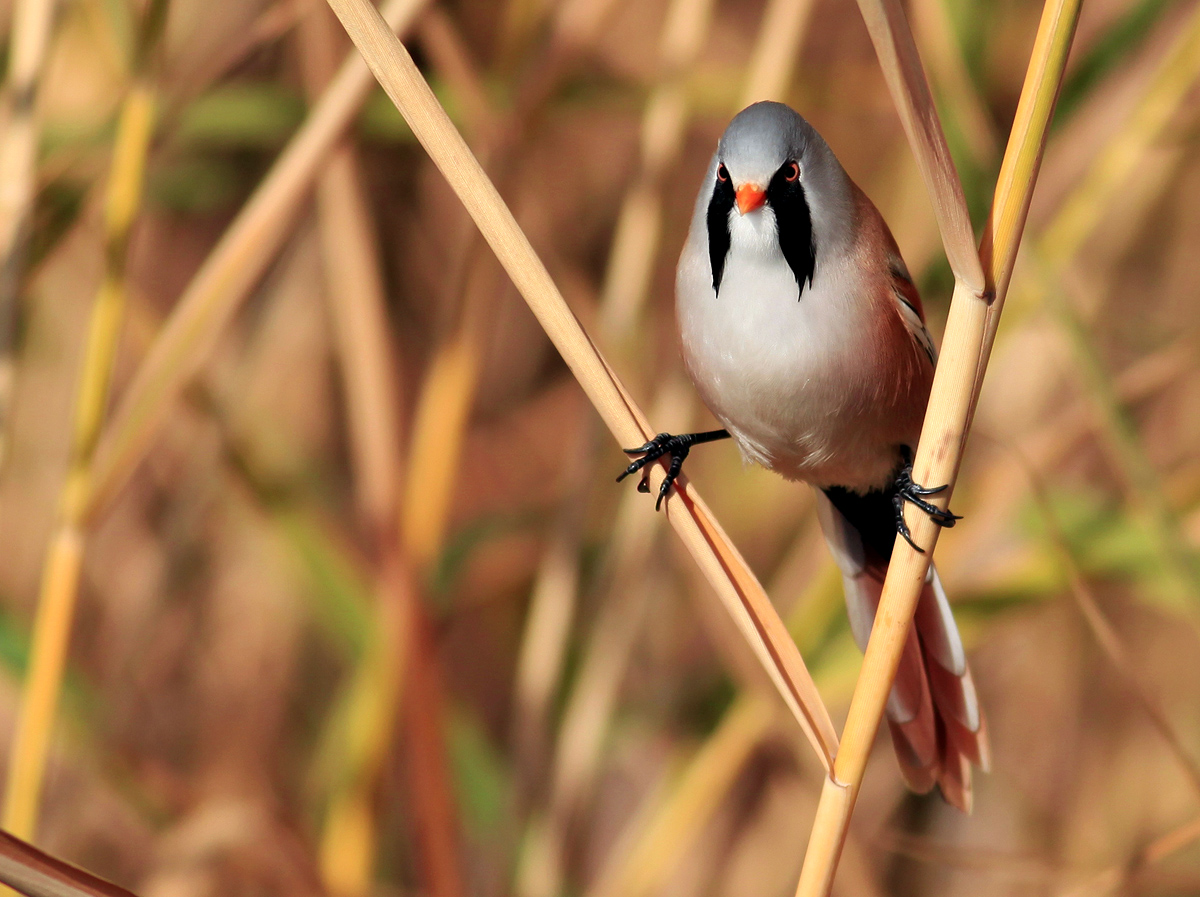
(933, 712)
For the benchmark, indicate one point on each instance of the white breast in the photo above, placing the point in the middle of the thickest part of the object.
(790, 378)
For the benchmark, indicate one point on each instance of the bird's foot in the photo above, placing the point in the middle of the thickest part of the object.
(677, 447)
(914, 493)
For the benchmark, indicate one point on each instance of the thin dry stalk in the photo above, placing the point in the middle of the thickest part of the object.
(1107, 638)
(784, 24)
(1084, 209)
(639, 223)
(723, 566)
(357, 301)
(910, 91)
(944, 54)
(1114, 879)
(631, 263)
(657, 846)
(26, 869)
(60, 575)
(354, 287)
(29, 38)
(228, 274)
(954, 392)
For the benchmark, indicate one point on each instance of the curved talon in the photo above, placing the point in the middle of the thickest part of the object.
(913, 493)
(666, 444)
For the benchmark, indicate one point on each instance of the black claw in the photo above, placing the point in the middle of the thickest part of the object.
(672, 473)
(666, 444)
(913, 493)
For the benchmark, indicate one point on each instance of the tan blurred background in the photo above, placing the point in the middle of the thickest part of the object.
(370, 616)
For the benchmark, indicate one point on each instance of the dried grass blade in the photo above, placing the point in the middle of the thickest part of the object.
(1107, 638)
(660, 841)
(29, 38)
(784, 24)
(226, 277)
(403, 82)
(60, 574)
(906, 80)
(357, 306)
(36, 874)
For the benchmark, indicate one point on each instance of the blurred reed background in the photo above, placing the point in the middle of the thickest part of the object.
(343, 598)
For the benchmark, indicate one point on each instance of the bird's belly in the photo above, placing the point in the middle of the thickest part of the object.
(789, 377)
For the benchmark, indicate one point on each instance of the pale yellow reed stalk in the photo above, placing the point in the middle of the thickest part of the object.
(953, 396)
(1108, 640)
(769, 72)
(228, 274)
(60, 576)
(19, 131)
(1114, 879)
(723, 566)
(357, 305)
(657, 847)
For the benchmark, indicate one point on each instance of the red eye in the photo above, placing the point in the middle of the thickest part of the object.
(722, 174)
(793, 171)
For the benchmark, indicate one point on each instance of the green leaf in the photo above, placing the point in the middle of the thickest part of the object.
(258, 116)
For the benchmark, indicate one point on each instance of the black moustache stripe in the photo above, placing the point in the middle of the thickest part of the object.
(794, 222)
(792, 219)
(719, 208)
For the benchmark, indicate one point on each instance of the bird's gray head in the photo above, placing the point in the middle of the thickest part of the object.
(770, 161)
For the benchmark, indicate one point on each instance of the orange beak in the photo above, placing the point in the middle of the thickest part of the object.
(750, 197)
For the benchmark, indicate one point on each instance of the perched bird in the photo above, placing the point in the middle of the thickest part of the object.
(804, 335)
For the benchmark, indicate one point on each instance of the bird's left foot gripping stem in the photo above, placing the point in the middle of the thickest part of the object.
(914, 493)
(666, 444)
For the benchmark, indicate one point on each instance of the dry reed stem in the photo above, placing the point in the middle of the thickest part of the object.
(651, 842)
(955, 389)
(769, 72)
(656, 848)
(1180, 574)
(723, 566)
(357, 305)
(29, 871)
(1083, 209)
(1106, 636)
(60, 576)
(228, 274)
(944, 55)
(1113, 879)
(639, 224)
(633, 252)
(30, 35)
(910, 91)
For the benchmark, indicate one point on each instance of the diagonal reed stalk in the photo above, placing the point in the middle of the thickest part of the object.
(743, 597)
(60, 575)
(29, 871)
(955, 385)
(231, 270)
(1106, 635)
(28, 40)
(100, 461)
(356, 301)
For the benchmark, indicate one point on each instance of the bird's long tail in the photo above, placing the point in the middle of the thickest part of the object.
(937, 726)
